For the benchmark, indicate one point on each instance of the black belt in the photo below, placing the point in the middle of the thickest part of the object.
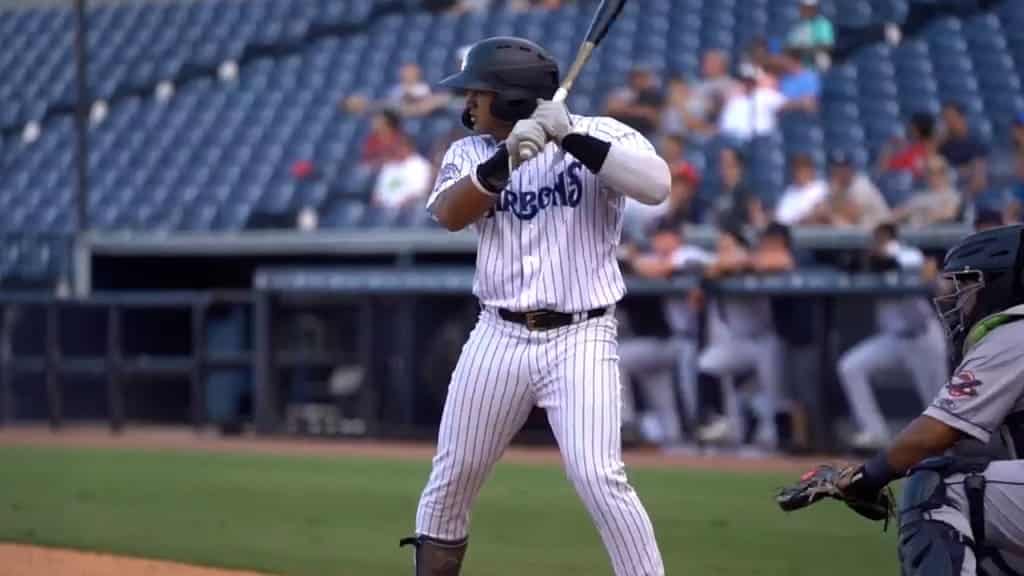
(548, 319)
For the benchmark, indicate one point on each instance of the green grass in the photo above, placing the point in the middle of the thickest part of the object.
(344, 516)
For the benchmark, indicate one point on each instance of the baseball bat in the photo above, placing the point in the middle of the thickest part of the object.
(605, 15)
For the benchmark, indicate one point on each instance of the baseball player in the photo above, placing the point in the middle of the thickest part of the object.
(958, 516)
(910, 336)
(548, 280)
(653, 363)
(742, 337)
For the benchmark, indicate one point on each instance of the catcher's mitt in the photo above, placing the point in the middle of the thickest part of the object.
(828, 481)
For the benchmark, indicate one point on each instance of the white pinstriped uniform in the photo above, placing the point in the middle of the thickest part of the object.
(549, 243)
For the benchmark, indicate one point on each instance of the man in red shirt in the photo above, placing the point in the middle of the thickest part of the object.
(910, 156)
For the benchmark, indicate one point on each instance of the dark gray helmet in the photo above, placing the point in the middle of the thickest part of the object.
(517, 70)
(982, 275)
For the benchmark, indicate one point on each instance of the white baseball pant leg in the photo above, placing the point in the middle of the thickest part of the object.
(579, 387)
(489, 400)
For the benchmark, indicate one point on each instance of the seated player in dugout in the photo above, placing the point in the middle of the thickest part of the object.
(743, 338)
(660, 356)
(908, 335)
(959, 515)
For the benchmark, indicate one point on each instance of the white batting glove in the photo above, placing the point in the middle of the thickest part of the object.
(527, 136)
(554, 117)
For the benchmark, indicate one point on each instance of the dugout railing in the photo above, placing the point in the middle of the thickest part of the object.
(377, 299)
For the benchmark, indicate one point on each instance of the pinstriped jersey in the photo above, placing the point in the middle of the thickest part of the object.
(549, 242)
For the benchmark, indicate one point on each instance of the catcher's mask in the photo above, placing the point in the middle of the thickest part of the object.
(956, 300)
(981, 276)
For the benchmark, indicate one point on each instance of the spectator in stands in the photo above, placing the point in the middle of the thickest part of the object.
(639, 103)
(1014, 211)
(735, 206)
(909, 155)
(752, 110)
(1002, 162)
(802, 199)
(853, 200)
(963, 151)
(520, 5)
(683, 205)
(937, 203)
(672, 149)
(677, 115)
(404, 180)
(411, 97)
(812, 37)
(799, 84)
(383, 144)
(714, 88)
(988, 219)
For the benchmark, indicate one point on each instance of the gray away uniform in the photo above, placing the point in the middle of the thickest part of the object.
(910, 336)
(653, 363)
(742, 338)
(985, 396)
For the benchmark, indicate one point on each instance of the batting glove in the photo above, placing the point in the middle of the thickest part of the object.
(554, 118)
(527, 136)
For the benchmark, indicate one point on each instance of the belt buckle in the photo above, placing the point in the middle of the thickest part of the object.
(535, 318)
(532, 319)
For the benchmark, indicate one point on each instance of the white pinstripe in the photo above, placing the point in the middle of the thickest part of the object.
(555, 249)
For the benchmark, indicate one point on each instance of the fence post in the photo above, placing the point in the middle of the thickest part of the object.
(198, 385)
(115, 392)
(264, 381)
(6, 356)
(53, 392)
(367, 334)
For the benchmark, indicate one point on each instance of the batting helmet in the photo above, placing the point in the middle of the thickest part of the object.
(982, 275)
(516, 70)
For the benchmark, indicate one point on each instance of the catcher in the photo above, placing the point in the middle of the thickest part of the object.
(957, 515)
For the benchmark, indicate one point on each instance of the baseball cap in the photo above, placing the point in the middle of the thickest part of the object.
(808, 2)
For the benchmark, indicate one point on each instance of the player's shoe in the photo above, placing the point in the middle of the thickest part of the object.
(720, 431)
(864, 440)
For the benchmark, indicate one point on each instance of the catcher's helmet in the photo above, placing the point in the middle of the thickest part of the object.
(982, 275)
(517, 70)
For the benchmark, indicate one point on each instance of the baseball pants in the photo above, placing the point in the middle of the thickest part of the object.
(571, 372)
(1004, 513)
(924, 356)
(654, 364)
(728, 358)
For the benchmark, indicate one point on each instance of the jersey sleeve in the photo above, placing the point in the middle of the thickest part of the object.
(985, 387)
(618, 133)
(460, 158)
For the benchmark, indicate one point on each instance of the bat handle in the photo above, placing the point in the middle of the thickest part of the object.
(528, 150)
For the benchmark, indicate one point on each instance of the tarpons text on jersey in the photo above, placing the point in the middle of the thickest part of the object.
(567, 191)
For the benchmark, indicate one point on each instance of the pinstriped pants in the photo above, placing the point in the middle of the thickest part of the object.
(572, 373)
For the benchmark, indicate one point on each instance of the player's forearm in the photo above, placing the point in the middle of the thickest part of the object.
(465, 201)
(461, 204)
(923, 438)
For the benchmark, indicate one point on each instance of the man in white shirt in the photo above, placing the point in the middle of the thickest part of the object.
(804, 195)
(752, 111)
(403, 181)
